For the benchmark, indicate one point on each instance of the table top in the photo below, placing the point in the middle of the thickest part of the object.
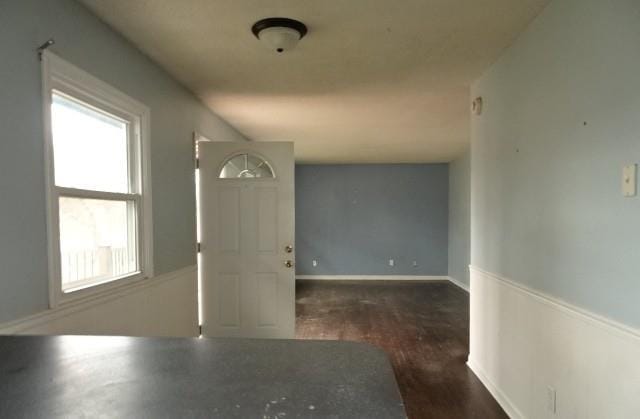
(108, 376)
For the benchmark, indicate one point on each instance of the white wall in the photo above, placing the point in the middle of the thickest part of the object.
(523, 342)
(162, 306)
(554, 243)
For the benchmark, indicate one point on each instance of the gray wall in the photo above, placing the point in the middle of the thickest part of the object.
(460, 218)
(86, 42)
(561, 118)
(354, 218)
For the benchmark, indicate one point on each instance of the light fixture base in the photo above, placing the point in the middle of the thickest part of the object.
(279, 33)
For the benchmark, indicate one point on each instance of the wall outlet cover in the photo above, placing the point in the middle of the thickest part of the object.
(392, 262)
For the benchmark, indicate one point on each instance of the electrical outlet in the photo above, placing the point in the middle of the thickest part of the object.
(314, 263)
(392, 262)
(551, 399)
(415, 263)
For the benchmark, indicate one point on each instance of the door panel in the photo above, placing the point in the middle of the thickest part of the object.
(267, 209)
(229, 300)
(229, 219)
(246, 225)
(267, 299)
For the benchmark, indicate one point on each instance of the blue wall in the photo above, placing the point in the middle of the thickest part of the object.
(561, 119)
(353, 218)
(460, 218)
(88, 43)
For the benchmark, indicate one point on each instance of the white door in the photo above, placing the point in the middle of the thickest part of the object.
(246, 198)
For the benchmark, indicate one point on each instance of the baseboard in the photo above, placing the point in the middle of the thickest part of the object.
(497, 394)
(458, 283)
(38, 321)
(374, 277)
(454, 281)
(523, 342)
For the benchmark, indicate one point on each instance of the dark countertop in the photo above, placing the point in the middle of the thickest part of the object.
(105, 376)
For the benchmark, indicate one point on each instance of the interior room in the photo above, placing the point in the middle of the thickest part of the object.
(277, 209)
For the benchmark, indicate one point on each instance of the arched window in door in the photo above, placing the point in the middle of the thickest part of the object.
(246, 166)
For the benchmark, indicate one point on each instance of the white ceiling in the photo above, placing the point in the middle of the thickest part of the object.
(373, 80)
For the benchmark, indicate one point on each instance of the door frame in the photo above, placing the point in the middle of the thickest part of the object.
(197, 138)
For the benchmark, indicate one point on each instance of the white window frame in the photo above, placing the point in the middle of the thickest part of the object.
(62, 76)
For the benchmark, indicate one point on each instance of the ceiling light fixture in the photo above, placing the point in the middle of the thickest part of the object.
(279, 33)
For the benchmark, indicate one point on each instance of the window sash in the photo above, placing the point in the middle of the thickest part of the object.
(74, 94)
(134, 146)
(88, 193)
(134, 226)
(133, 236)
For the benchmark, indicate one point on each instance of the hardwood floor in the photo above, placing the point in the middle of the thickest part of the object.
(423, 327)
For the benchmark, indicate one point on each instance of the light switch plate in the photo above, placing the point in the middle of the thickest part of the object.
(629, 178)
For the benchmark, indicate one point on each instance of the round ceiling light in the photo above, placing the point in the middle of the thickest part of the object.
(279, 33)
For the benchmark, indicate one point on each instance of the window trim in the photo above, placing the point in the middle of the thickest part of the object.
(62, 76)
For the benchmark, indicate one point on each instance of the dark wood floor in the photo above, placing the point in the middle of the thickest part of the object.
(423, 327)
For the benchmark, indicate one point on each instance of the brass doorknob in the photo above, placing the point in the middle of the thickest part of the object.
(288, 249)
(288, 264)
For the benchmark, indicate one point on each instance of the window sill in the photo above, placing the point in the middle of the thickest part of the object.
(113, 286)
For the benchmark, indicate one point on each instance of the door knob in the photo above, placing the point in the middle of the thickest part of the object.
(288, 264)
(288, 249)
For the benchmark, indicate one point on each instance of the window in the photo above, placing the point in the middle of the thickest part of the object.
(246, 166)
(97, 176)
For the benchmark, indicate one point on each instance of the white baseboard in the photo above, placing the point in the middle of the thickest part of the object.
(522, 342)
(385, 278)
(497, 394)
(373, 277)
(165, 305)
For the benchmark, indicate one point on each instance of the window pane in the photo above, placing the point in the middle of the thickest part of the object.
(97, 240)
(90, 147)
(246, 166)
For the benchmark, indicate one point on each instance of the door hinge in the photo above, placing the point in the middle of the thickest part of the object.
(197, 163)
(199, 330)
(198, 247)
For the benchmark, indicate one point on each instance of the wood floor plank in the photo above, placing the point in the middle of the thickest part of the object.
(423, 327)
